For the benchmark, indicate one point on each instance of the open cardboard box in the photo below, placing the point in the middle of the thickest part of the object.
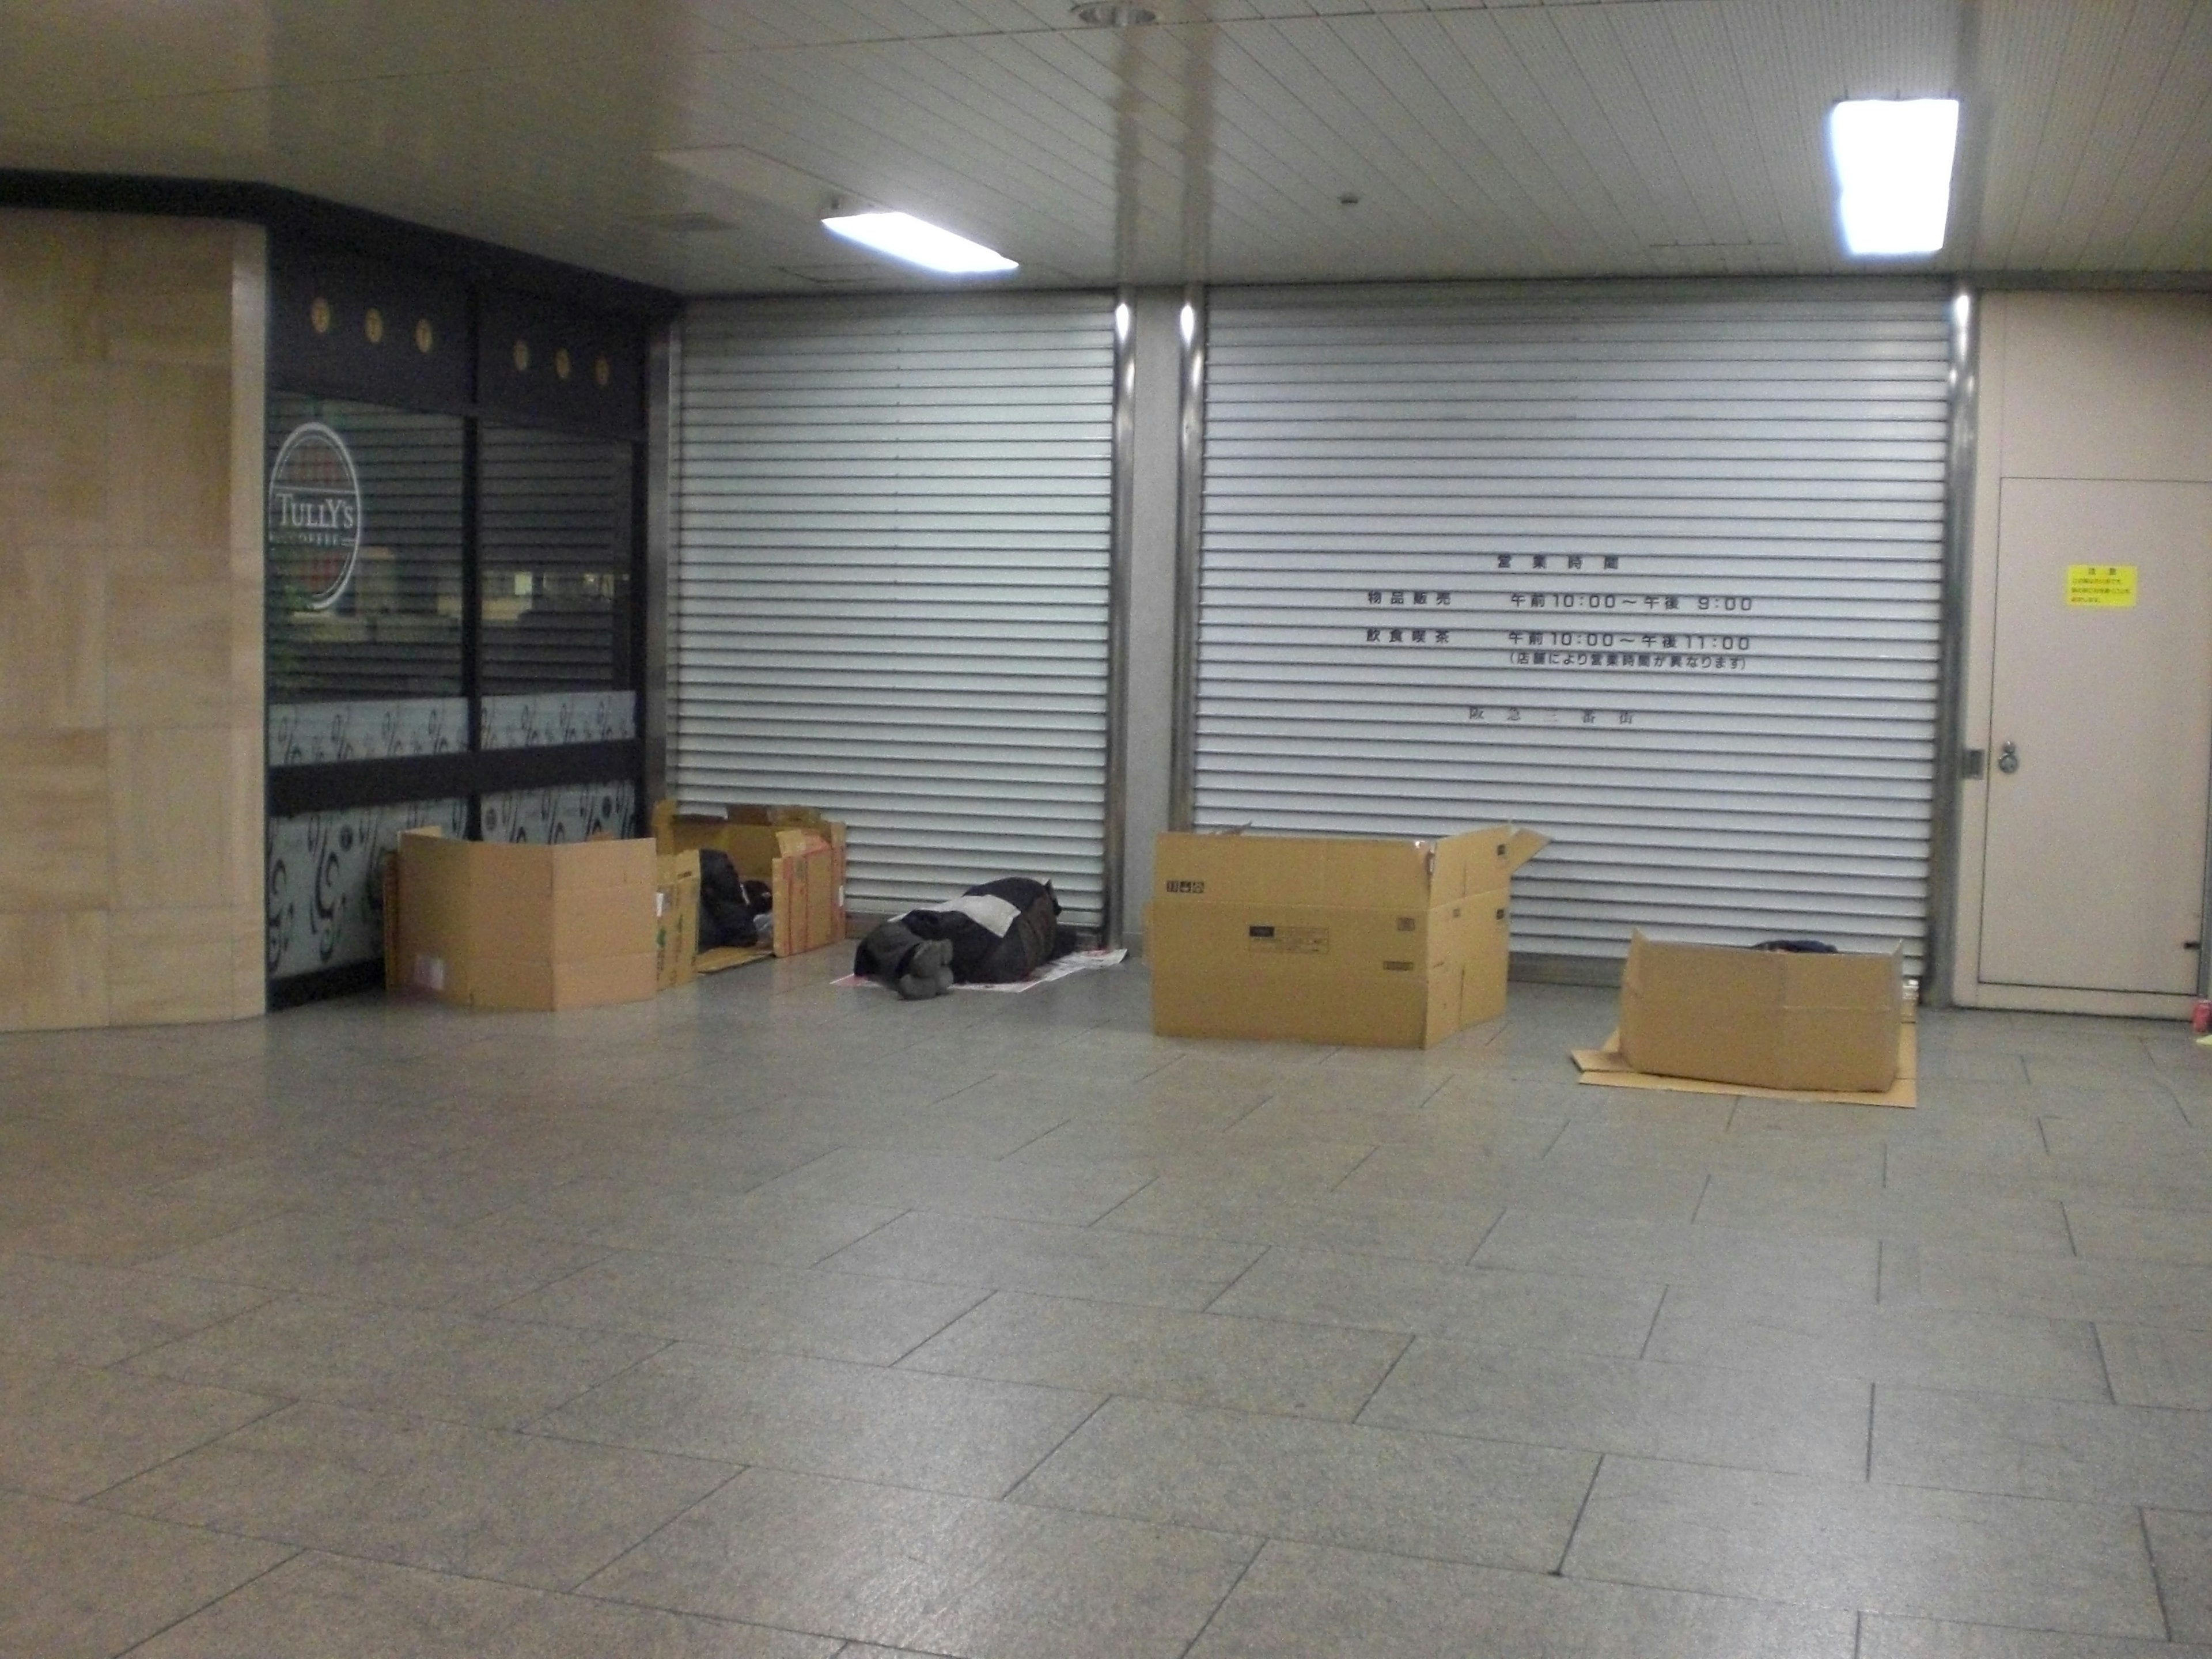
(1326, 939)
(796, 850)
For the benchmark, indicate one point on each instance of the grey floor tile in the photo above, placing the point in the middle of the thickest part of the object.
(1106, 1265)
(1201, 1359)
(1642, 1192)
(1947, 1212)
(96, 1315)
(2137, 1292)
(1679, 1253)
(2071, 1449)
(67, 1431)
(483, 1502)
(121, 1226)
(903, 1428)
(1945, 1555)
(2130, 1142)
(1015, 1191)
(490, 1372)
(318, 1607)
(1108, 1147)
(1303, 1602)
(403, 1265)
(749, 1304)
(2181, 1550)
(1930, 1347)
(1923, 1638)
(2142, 1235)
(1805, 1425)
(1419, 1299)
(76, 1584)
(1591, 1145)
(2151, 1365)
(1332, 1221)
(1463, 1131)
(750, 1227)
(937, 1574)
(1479, 1501)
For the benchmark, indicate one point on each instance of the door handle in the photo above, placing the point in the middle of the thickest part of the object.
(2008, 759)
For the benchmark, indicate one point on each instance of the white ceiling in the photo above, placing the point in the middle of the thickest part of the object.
(694, 144)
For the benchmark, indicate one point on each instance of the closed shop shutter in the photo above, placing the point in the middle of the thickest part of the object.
(1655, 569)
(890, 579)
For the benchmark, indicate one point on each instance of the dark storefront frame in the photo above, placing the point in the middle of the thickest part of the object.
(407, 338)
(481, 298)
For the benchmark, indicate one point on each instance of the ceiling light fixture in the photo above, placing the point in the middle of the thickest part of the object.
(1102, 14)
(918, 243)
(1893, 159)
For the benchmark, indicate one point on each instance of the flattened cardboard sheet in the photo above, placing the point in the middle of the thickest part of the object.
(1606, 1068)
(730, 956)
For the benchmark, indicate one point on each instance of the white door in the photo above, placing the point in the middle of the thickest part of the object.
(2101, 736)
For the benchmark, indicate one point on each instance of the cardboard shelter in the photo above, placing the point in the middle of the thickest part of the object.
(516, 926)
(1766, 1019)
(1393, 944)
(796, 850)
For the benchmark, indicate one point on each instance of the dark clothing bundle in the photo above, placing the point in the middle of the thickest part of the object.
(995, 934)
(730, 909)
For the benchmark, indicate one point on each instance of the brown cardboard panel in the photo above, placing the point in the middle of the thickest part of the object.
(1763, 1019)
(732, 956)
(497, 925)
(675, 919)
(1331, 939)
(1326, 975)
(1608, 1068)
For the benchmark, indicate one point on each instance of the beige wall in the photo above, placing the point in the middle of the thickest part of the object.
(2072, 385)
(131, 376)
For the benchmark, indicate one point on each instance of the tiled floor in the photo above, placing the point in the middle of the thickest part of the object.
(773, 1319)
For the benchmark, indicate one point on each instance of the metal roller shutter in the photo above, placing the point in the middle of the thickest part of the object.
(890, 579)
(1654, 569)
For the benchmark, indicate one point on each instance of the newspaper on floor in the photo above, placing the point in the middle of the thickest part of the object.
(1075, 962)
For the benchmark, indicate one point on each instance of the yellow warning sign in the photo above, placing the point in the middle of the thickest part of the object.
(2101, 585)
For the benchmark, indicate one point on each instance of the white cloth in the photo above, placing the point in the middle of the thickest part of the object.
(995, 914)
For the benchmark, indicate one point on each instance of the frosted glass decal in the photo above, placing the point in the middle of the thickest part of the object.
(573, 812)
(315, 733)
(537, 719)
(325, 882)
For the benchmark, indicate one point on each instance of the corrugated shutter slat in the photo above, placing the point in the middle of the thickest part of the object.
(1717, 690)
(890, 580)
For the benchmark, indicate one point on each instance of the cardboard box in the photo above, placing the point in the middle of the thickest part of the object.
(1394, 943)
(1772, 1019)
(676, 919)
(494, 925)
(796, 850)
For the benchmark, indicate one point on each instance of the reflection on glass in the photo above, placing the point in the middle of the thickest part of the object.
(363, 550)
(554, 546)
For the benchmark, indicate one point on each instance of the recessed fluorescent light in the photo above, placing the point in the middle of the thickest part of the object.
(918, 243)
(1893, 159)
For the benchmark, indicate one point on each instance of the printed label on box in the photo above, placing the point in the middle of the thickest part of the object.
(1291, 941)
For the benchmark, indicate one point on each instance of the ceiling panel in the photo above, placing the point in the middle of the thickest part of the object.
(696, 142)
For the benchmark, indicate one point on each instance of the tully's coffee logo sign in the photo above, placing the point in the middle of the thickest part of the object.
(314, 515)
